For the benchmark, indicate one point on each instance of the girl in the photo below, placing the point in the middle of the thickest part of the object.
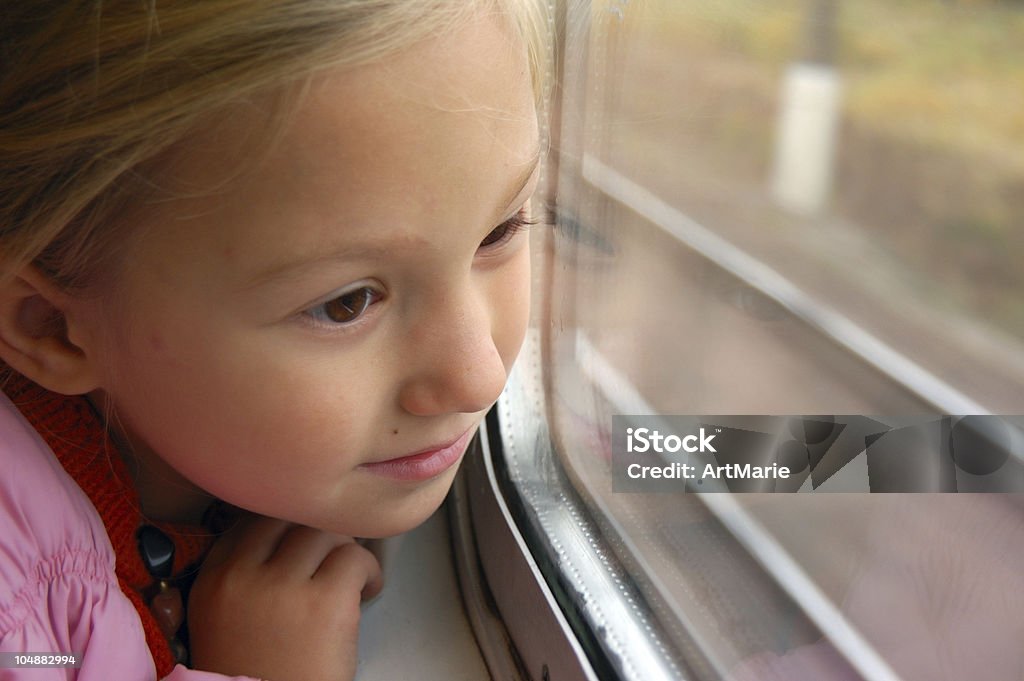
(254, 254)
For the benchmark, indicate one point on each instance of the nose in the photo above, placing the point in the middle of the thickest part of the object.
(455, 362)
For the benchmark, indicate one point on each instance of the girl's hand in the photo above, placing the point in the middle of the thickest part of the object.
(280, 601)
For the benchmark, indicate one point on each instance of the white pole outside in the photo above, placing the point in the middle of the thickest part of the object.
(806, 137)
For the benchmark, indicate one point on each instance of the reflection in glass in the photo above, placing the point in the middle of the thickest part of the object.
(756, 197)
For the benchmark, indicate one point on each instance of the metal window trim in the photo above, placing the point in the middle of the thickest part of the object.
(568, 559)
(519, 624)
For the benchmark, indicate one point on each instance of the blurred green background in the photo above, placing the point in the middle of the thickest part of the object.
(930, 159)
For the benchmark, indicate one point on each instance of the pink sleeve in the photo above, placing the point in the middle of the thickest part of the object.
(58, 590)
(77, 614)
(68, 604)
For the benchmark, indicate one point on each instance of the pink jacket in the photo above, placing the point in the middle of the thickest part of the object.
(58, 591)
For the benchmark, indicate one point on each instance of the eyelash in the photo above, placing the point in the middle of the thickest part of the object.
(508, 229)
(321, 315)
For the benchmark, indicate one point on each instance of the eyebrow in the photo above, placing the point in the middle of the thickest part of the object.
(376, 249)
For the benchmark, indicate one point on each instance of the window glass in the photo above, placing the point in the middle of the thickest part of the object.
(795, 207)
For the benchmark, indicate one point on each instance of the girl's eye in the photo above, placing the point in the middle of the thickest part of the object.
(346, 308)
(507, 229)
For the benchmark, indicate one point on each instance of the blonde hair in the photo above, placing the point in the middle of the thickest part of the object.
(90, 91)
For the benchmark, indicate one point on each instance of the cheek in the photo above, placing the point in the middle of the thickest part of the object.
(253, 428)
(512, 312)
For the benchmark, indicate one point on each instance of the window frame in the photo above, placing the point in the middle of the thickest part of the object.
(534, 601)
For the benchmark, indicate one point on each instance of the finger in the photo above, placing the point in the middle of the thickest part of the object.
(302, 549)
(376, 547)
(252, 541)
(353, 568)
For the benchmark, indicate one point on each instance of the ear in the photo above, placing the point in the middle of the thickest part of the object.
(34, 335)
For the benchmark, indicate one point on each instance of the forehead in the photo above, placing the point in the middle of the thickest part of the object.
(444, 126)
(462, 104)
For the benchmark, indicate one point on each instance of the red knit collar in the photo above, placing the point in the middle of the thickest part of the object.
(76, 434)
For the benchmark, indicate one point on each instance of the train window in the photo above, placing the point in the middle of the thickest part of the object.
(770, 209)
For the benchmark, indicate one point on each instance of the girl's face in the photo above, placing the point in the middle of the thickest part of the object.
(288, 337)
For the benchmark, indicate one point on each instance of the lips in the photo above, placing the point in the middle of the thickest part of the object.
(424, 464)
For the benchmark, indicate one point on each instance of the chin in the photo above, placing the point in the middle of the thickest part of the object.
(389, 528)
(389, 525)
(398, 516)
